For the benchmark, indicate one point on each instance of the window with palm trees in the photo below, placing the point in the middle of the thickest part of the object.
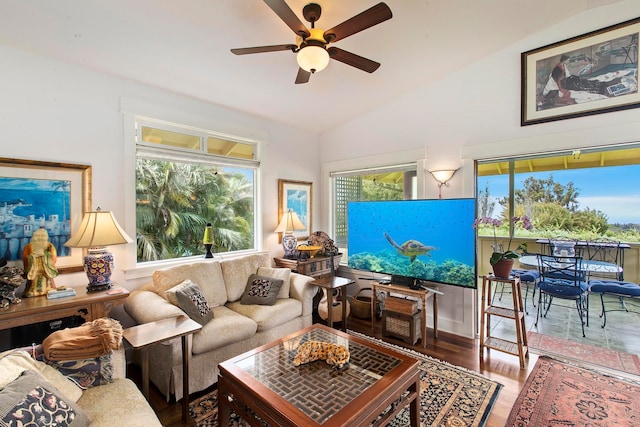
(181, 186)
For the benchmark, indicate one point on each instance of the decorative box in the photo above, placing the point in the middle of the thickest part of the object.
(403, 326)
(401, 305)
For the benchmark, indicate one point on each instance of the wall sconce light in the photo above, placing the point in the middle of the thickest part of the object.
(288, 224)
(442, 176)
(97, 230)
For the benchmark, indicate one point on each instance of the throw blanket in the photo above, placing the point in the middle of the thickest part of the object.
(93, 339)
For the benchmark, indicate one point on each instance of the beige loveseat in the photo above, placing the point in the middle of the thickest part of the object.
(234, 328)
(118, 403)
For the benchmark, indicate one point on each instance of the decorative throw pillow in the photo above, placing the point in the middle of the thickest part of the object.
(192, 301)
(261, 290)
(278, 273)
(13, 363)
(32, 400)
(86, 373)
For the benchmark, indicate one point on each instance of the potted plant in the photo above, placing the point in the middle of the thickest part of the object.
(502, 260)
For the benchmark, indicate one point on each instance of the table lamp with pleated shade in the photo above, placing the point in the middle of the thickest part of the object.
(289, 222)
(98, 229)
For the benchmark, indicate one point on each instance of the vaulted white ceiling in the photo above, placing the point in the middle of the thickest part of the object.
(183, 46)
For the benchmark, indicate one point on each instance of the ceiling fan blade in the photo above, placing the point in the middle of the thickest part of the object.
(262, 49)
(303, 76)
(370, 17)
(285, 13)
(352, 59)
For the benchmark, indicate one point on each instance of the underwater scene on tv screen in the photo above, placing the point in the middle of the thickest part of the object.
(432, 240)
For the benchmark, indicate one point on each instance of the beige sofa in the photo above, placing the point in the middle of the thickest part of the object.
(235, 327)
(117, 403)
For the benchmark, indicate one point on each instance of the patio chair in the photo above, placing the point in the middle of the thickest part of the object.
(617, 289)
(562, 277)
(564, 246)
(606, 250)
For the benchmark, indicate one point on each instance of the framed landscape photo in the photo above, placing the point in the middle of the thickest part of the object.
(297, 196)
(589, 74)
(36, 194)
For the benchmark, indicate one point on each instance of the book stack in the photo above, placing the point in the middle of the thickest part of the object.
(61, 293)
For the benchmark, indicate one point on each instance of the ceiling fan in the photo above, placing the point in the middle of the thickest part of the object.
(311, 44)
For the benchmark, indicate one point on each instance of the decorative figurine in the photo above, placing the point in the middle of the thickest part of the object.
(39, 259)
(10, 280)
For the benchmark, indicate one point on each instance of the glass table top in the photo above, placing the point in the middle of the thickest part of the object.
(317, 389)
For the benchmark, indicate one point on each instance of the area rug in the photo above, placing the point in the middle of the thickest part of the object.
(584, 353)
(560, 394)
(449, 396)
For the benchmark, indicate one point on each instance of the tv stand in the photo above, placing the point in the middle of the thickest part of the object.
(423, 294)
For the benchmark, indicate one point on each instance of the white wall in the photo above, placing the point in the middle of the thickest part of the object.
(474, 114)
(62, 113)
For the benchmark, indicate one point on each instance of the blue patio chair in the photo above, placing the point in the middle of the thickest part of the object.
(617, 288)
(562, 277)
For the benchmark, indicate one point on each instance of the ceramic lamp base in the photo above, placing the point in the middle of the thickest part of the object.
(98, 265)
(289, 244)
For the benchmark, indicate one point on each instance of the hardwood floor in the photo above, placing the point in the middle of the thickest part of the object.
(456, 350)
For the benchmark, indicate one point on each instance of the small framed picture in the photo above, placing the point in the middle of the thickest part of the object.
(297, 196)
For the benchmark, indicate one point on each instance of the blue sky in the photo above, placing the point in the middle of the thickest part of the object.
(613, 190)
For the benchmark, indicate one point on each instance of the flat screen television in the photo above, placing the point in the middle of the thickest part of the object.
(420, 240)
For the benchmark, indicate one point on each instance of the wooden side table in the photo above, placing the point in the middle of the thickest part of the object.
(519, 347)
(423, 294)
(145, 335)
(329, 284)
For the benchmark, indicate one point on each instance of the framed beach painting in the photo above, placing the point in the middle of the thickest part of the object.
(297, 196)
(35, 194)
(589, 74)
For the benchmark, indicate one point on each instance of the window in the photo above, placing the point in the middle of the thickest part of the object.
(396, 182)
(582, 194)
(186, 178)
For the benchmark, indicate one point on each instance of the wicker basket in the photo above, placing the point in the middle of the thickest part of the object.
(361, 305)
(403, 326)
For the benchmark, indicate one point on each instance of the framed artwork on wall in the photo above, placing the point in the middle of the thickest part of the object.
(35, 194)
(297, 196)
(589, 74)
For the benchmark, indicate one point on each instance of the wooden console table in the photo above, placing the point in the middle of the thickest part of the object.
(89, 306)
(423, 294)
(318, 266)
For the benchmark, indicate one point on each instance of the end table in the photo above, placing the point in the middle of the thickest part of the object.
(143, 336)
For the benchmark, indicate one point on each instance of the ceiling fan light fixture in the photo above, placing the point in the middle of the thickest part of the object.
(313, 58)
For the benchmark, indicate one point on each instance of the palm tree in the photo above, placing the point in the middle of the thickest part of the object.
(176, 200)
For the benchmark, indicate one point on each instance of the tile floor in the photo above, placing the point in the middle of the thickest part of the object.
(622, 331)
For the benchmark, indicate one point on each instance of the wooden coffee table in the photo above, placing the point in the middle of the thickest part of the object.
(264, 384)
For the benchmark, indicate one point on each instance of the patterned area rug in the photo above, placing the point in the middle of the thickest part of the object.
(449, 396)
(585, 353)
(559, 394)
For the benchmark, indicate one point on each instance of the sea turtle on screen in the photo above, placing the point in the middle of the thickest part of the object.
(410, 248)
